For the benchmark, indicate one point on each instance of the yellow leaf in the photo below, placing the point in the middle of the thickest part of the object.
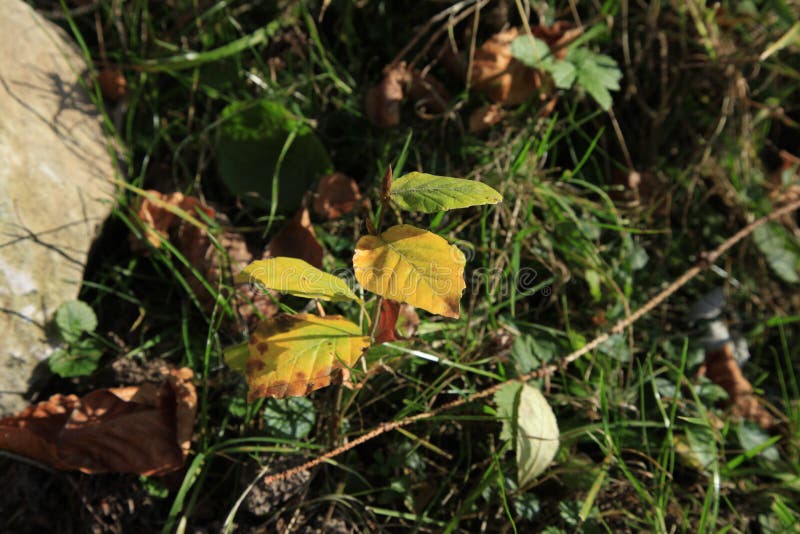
(411, 265)
(296, 354)
(298, 278)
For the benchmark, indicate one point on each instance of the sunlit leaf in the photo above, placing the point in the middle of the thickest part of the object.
(427, 193)
(73, 318)
(411, 265)
(537, 435)
(81, 359)
(296, 354)
(296, 277)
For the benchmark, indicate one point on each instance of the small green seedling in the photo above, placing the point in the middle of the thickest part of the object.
(597, 74)
(294, 354)
(75, 322)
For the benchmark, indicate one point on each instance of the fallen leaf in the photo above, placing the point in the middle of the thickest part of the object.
(112, 82)
(297, 239)
(383, 101)
(501, 77)
(296, 277)
(428, 93)
(485, 117)
(407, 320)
(297, 354)
(337, 195)
(142, 429)
(411, 265)
(157, 219)
(722, 368)
(203, 255)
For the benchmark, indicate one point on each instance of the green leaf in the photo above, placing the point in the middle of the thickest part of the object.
(596, 73)
(529, 353)
(752, 438)
(507, 401)
(296, 277)
(564, 74)
(82, 359)
(427, 193)
(289, 418)
(252, 139)
(532, 51)
(537, 437)
(593, 279)
(73, 318)
(772, 240)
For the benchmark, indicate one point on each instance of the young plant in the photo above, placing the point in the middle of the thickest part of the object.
(294, 354)
(597, 74)
(75, 322)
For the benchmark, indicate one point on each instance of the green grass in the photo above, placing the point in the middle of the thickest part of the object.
(645, 445)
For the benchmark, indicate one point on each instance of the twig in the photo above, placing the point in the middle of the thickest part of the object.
(707, 259)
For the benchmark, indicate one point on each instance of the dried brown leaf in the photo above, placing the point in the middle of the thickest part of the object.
(485, 117)
(383, 101)
(499, 76)
(722, 368)
(297, 239)
(142, 429)
(337, 195)
(112, 82)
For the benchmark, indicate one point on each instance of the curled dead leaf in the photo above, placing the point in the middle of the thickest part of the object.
(112, 82)
(157, 220)
(337, 195)
(722, 368)
(297, 239)
(499, 76)
(384, 101)
(212, 263)
(144, 429)
(485, 117)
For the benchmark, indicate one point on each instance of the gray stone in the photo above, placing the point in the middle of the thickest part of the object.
(55, 187)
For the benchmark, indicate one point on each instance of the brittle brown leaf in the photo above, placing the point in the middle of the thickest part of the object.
(501, 77)
(297, 239)
(112, 82)
(142, 429)
(485, 117)
(337, 195)
(383, 101)
(722, 368)
(214, 263)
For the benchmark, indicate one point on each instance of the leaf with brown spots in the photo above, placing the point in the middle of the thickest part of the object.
(297, 240)
(337, 195)
(105, 430)
(295, 354)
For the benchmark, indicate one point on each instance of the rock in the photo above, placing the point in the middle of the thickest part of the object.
(55, 188)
